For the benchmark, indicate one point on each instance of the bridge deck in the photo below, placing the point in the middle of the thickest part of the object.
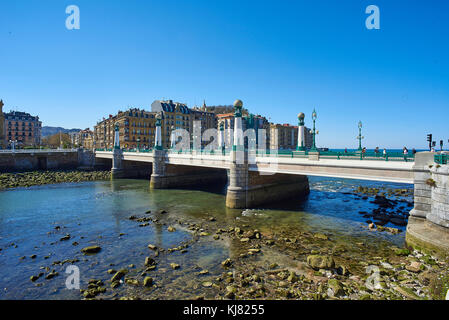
(389, 171)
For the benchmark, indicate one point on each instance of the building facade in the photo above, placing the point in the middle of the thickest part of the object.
(22, 129)
(2, 127)
(136, 130)
(285, 137)
(84, 139)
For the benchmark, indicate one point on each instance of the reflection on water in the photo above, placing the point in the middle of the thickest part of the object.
(33, 220)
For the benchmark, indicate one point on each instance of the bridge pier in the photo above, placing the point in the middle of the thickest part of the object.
(165, 176)
(428, 225)
(249, 189)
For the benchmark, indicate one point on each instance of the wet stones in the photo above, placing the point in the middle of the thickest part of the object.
(65, 238)
(175, 266)
(51, 275)
(147, 282)
(152, 247)
(91, 250)
(227, 263)
(119, 275)
(171, 229)
(320, 236)
(335, 288)
(402, 252)
(149, 261)
(320, 262)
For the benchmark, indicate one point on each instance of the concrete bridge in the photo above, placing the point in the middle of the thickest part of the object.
(259, 177)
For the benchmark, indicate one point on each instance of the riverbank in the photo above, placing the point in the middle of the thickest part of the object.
(35, 178)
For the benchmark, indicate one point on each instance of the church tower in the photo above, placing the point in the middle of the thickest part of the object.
(2, 126)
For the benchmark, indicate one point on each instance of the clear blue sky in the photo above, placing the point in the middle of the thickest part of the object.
(279, 57)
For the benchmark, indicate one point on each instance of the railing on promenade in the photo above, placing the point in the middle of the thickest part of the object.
(441, 158)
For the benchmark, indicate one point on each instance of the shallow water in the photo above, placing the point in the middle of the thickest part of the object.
(97, 212)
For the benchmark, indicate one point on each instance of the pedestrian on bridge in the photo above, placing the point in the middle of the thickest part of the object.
(385, 153)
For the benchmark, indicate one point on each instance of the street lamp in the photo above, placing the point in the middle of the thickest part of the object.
(360, 137)
(314, 132)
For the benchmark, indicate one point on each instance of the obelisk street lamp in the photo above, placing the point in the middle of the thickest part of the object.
(360, 137)
(301, 144)
(238, 129)
(158, 136)
(117, 137)
(314, 132)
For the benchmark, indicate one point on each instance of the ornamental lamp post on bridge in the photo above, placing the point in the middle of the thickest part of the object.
(117, 137)
(301, 135)
(158, 137)
(238, 129)
(314, 132)
(360, 137)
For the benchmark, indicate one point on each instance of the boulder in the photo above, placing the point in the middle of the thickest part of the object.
(320, 262)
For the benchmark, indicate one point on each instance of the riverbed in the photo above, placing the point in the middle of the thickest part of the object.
(43, 230)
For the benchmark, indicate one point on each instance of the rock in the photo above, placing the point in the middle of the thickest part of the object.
(292, 277)
(204, 234)
(207, 284)
(227, 263)
(152, 247)
(51, 275)
(414, 267)
(148, 212)
(148, 281)
(162, 211)
(174, 266)
(91, 250)
(320, 236)
(111, 271)
(65, 238)
(118, 275)
(371, 226)
(320, 262)
(133, 282)
(150, 261)
(402, 252)
(34, 278)
(171, 229)
(244, 240)
(335, 288)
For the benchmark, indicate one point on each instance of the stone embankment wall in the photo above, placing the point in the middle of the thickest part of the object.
(428, 225)
(12, 162)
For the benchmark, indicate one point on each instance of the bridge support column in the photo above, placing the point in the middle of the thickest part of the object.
(117, 164)
(158, 180)
(428, 225)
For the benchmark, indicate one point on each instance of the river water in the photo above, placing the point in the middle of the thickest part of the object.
(33, 221)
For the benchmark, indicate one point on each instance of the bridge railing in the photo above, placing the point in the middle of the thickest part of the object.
(389, 156)
(339, 155)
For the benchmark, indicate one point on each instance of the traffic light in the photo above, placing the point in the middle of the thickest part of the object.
(429, 139)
